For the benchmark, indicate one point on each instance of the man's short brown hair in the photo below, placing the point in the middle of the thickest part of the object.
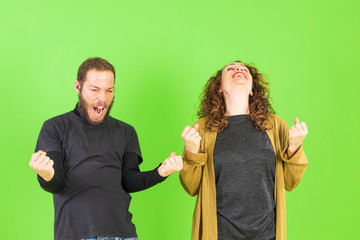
(96, 63)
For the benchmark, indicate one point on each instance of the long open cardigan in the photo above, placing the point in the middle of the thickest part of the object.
(198, 178)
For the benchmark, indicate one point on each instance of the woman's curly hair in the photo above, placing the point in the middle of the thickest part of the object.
(213, 108)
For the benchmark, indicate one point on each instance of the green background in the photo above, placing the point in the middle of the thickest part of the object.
(164, 52)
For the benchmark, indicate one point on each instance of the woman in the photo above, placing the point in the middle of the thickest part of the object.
(239, 158)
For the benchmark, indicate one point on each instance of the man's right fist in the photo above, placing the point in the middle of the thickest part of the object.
(43, 165)
(191, 138)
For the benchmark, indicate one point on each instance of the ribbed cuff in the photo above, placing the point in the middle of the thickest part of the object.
(199, 157)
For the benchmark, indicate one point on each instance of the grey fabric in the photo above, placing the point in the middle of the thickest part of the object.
(244, 162)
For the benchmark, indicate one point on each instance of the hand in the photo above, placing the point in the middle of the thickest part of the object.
(43, 165)
(297, 133)
(191, 138)
(171, 165)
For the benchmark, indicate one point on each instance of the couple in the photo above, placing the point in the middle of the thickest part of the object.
(238, 159)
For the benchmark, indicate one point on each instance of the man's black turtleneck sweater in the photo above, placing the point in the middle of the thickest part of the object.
(96, 167)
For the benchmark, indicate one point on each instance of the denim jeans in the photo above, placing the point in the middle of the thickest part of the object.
(109, 238)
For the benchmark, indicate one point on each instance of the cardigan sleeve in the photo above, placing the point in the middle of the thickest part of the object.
(294, 163)
(191, 174)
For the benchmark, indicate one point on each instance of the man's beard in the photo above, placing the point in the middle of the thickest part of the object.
(83, 107)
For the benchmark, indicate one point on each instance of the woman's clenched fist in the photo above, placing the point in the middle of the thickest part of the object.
(191, 138)
(297, 133)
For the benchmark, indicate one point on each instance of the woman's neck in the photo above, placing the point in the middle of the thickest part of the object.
(236, 104)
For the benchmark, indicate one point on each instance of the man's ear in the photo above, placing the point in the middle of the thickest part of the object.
(77, 86)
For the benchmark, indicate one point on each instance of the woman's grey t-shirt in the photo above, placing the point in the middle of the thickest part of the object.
(244, 162)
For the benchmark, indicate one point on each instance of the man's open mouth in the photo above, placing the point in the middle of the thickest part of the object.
(98, 110)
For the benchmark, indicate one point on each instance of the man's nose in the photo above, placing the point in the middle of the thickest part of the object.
(101, 96)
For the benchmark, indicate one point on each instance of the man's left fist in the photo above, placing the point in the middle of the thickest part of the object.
(297, 133)
(171, 165)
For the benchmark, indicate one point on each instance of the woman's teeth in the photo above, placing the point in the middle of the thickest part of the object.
(239, 74)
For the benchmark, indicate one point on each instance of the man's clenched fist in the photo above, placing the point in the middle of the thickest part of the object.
(171, 165)
(43, 165)
(297, 133)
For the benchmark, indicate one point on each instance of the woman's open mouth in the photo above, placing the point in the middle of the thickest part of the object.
(239, 74)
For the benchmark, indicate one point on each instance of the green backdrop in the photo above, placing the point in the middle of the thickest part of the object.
(164, 52)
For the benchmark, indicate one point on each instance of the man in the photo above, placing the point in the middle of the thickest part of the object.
(89, 161)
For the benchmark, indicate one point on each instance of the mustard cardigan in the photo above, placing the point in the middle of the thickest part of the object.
(198, 178)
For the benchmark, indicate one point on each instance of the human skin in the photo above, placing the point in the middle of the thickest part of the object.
(236, 87)
(97, 91)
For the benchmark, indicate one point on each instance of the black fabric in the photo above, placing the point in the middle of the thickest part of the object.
(244, 163)
(56, 184)
(95, 168)
(133, 180)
